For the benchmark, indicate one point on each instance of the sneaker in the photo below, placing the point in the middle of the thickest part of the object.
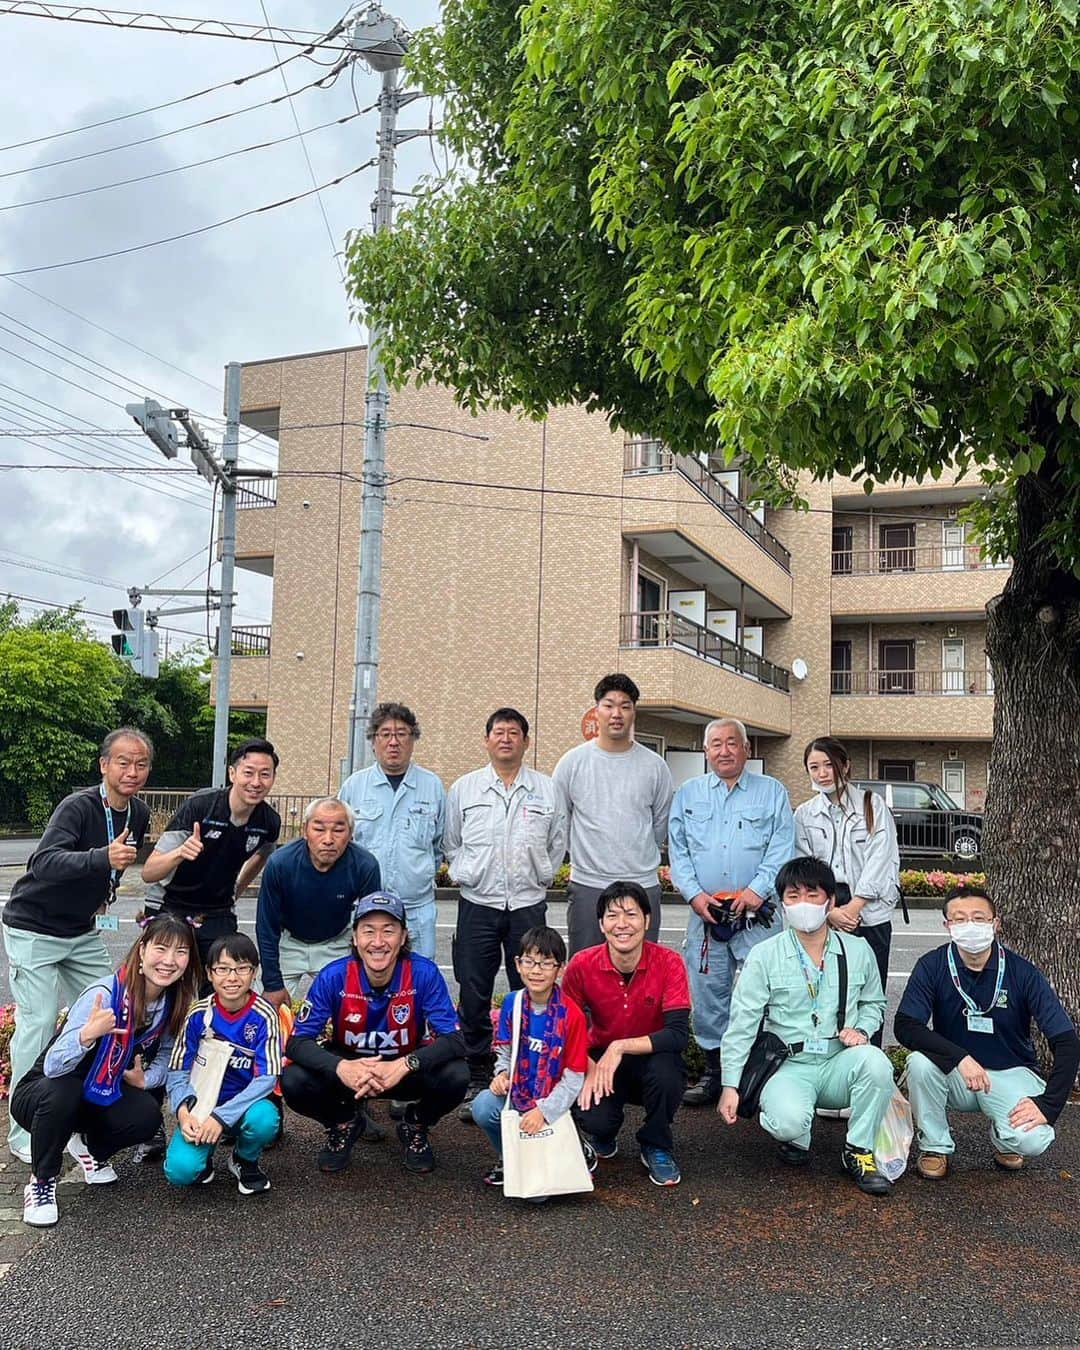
(494, 1176)
(792, 1154)
(705, 1092)
(863, 1170)
(94, 1172)
(250, 1178)
(207, 1175)
(932, 1166)
(419, 1155)
(334, 1154)
(591, 1159)
(1010, 1162)
(661, 1165)
(39, 1203)
(480, 1078)
(21, 1154)
(153, 1150)
(397, 1109)
(604, 1149)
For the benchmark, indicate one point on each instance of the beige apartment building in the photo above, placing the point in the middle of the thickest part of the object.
(523, 560)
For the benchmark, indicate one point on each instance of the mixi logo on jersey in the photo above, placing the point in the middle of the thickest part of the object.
(381, 1042)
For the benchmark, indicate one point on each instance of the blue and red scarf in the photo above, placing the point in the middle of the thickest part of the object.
(101, 1086)
(351, 1022)
(548, 1062)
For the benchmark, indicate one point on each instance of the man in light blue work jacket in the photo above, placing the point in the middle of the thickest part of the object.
(729, 831)
(400, 813)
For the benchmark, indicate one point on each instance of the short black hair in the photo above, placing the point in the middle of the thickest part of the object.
(617, 684)
(967, 891)
(257, 746)
(808, 872)
(545, 942)
(392, 712)
(237, 945)
(623, 890)
(507, 715)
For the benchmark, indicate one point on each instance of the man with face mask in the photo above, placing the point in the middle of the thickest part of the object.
(966, 1016)
(794, 980)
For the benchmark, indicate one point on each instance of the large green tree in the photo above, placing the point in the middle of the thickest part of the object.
(835, 237)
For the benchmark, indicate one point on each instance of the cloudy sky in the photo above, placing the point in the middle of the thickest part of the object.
(174, 314)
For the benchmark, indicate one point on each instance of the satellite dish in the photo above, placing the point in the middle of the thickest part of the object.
(799, 668)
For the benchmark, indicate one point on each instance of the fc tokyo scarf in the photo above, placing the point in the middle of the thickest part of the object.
(399, 1034)
(101, 1087)
(548, 1060)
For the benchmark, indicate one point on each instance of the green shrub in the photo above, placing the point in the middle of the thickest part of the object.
(935, 884)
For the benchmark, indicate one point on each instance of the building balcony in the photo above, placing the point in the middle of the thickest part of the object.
(906, 704)
(254, 494)
(694, 674)
(248, 640)
(870, 583)
(256, 524)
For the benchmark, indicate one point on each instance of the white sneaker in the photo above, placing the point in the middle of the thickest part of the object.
(21, 1154)
(39, 1203)
(94, 1172)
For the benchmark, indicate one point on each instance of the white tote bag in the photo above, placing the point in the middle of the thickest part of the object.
(548, 1163)
(208, 1070)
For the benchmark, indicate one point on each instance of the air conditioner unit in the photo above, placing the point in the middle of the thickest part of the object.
(953, 753)
(952, 630)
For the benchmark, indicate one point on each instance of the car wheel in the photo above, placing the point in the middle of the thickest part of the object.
(966, 846)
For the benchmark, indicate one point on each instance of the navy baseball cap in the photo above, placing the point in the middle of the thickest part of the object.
(379, 902)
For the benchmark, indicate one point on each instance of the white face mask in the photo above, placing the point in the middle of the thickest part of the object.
(825, 790)
(973, 937)
(806, 917)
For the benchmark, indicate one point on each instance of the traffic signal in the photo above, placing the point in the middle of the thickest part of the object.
(157, 422)
(135, 643)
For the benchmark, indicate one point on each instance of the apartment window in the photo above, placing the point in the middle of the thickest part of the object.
(650, 602)
(841, 667)
(896, 666)
(841, 550)
(896, 771)
(897, 544)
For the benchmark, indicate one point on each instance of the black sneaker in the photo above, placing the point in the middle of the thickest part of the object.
(792, 1154)
(153, 1150)
(602, 1148)
(494, 1176)
(480, 1076)
(591, 1160)
(419, 1155)
(863, 1170)
(250, 1178)
(334, 1154)
(206, 1176)
(397, 1109)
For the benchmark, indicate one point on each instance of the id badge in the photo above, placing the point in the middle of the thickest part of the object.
(976, 1022)
(106, 923)
(816, 1046)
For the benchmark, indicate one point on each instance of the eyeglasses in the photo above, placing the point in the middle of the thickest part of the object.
(393, 735)
(534, 963)
(222, 971)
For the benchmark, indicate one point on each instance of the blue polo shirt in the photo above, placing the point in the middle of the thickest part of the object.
(932, 999)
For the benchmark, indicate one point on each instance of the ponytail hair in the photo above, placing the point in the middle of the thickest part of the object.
(836, 753)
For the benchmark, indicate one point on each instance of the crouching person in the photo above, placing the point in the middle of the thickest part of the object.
(822, 996)
(966, 1016)
(378, 1001)
(240, 1028)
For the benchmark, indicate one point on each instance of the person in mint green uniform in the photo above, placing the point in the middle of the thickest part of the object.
(966, 1016)
(794, 981)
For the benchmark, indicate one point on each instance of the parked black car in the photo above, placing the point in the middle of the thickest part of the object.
(929, 824)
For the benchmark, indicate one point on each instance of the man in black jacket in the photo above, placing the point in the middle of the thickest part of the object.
(59, 907)
(966, 1015)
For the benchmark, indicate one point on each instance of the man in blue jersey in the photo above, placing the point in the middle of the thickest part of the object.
(379, 1001)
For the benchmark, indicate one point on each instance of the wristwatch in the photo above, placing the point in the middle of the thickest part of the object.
(413, 1063)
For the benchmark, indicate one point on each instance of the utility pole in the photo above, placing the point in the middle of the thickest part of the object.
(382, 41)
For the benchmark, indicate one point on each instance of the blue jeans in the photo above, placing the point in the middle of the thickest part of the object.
(421, 924)
(257, 1127)
(487, 1112)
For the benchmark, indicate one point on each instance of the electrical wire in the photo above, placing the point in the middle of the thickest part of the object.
(190, 234)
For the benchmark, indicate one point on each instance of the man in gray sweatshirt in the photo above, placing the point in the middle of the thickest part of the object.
(618, 794)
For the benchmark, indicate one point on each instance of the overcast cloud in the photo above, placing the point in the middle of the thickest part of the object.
(262, 287)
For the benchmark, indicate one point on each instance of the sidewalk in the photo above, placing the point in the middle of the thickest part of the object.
(745, 1253)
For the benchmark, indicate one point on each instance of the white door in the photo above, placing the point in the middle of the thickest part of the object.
(989, 677)
(953, 775)
(952, 665)
(952, 546)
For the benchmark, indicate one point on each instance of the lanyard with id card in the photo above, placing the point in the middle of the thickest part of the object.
(978, 1019)
(818, 1044)
(105, 922)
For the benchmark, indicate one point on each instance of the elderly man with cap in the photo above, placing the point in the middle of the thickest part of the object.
(380, 1000)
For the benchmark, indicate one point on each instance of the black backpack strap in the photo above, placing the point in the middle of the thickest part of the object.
(841, 1006)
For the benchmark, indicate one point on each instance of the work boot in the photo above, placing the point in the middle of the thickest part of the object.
(706, 1091)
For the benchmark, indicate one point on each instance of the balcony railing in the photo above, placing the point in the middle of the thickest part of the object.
(912, 682)
(938, 558)
(253, 493)
(660, 628)
(251, 641)
(643, 456)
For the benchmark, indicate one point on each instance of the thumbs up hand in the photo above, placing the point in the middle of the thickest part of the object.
(121, 853)
(101, 1021)
(192, 846)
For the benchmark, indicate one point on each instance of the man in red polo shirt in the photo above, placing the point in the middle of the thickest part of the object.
(637, 1000)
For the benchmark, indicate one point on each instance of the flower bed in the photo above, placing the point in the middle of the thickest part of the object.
(935, 884)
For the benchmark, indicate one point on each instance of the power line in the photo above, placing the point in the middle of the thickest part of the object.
(40, 602)
(183, 168)
(9, 559)
(189, 234)
(146, 22)
(326, 80)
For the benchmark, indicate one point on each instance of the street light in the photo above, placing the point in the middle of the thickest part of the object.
(382, 41)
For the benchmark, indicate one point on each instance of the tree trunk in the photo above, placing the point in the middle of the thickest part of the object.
(1032, 842)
